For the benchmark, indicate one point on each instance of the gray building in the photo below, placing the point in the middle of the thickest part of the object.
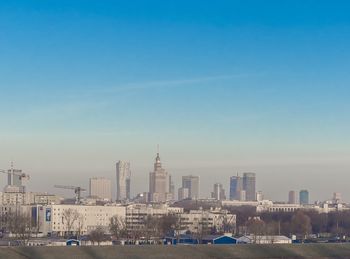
(292, 197)
(159, 183)
(304, 197)
(100, 187)
(123, 180)
(249, 181)
(236, 188)
(218, 192)
(191, 182)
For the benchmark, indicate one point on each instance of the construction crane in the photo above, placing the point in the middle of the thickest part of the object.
(77, 191)
(15, 172)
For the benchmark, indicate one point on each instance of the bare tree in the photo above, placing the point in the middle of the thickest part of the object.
(21, 227)
(97, 235)
(256, 227)
(117, 226)
(69, 217)
(301, 224)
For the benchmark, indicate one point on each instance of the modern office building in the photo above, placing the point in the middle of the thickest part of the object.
(123, 180)
(304, 197)
(183, 193)
(236, 187)
(249, 180)
(218, 192)
(159, 183)
(292, 197)
(191, 182)
(100, 188)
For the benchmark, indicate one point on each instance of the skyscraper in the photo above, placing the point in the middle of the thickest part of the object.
(292, 197)
(159, 183)
(249, 186)
(236, 187)
(191, 182)
(123, 180)
(304, 197)
(183, 193)
(100, 187)
(218, 192)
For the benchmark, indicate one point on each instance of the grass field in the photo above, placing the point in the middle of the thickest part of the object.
(200, 251)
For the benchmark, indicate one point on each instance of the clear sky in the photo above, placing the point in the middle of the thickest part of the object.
(222, 86)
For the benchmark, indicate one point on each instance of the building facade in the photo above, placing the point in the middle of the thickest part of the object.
(304, 197)
(159, 183)
(292, 197)
(100, 188)
(123, 180)
(218, 192)
(191, 182)
(249, 181)
(64, 219)
(236, 188)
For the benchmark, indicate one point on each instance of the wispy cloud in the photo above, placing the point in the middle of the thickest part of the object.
(172, 83)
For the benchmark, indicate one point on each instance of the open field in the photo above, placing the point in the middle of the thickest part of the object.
(199, 251)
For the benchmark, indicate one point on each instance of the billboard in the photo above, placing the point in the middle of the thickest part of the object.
(48, 214)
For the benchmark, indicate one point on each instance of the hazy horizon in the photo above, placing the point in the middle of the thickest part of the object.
(223, 87)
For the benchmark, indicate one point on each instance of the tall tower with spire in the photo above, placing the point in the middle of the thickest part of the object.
(159, 183)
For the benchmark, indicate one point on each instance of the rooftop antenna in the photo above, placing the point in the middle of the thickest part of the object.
(158, 148)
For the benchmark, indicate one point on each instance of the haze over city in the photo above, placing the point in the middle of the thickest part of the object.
(235, 87)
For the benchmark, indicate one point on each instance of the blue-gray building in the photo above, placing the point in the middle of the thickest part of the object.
(236, 187)
(304, 197)
(219, 240)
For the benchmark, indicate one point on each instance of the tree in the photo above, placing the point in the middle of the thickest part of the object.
(151, 227)
(256, 227)
(169, 224)
(21, 226)
(97, 235)
(117, 226)
(301, 224)
(69, 218)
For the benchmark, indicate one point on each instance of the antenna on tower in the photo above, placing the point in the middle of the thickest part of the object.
(158, 148)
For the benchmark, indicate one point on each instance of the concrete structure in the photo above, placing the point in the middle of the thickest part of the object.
(292, 197)
(191, 182)
(159, 183)
(253, 239)
(218, 192)
(100, 188)
(304, 197)
(123, 180)
(197, 221)
(249, 181)
(183, 193)
(136, 214)
(58, 220)
(236, 187)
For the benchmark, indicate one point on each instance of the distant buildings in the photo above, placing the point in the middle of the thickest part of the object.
(243, 189)
(159, 183)
(292, 197)
(304, 197)
(183, 193)
(123, 180)
(100, 187)
(218, 192)
(236, 188)
(249, 185)
(191, 182)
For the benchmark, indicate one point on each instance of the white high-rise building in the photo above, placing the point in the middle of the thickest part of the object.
(101, 188)
(123, 180)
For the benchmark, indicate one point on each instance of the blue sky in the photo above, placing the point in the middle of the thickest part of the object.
(222, 86)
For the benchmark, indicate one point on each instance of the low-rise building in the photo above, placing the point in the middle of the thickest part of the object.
(63, 219)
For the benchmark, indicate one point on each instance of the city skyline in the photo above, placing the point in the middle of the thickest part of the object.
(223, 87)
